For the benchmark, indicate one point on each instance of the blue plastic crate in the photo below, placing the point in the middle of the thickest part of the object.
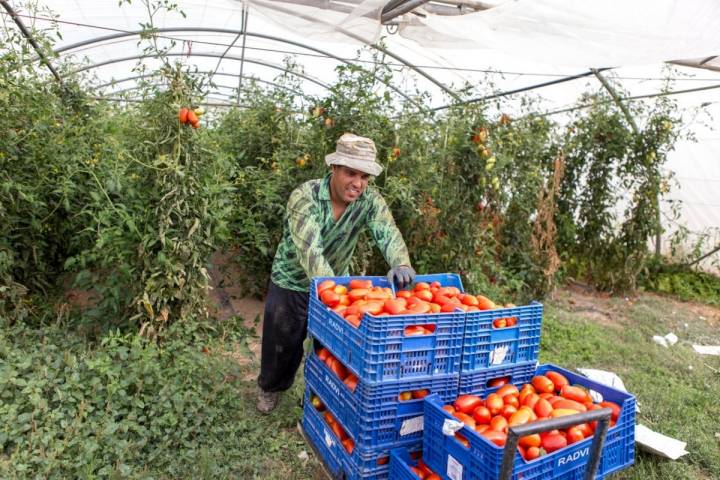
(362, 464)
(373, 414)
(377, 350)
(483, 459)
(485, 346)
(476, 382)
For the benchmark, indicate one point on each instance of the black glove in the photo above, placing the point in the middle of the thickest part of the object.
(401, 276)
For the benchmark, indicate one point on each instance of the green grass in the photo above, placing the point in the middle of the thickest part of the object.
(199, 411)
(676, 389)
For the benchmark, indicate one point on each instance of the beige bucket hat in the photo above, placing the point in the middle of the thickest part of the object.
(355, 152)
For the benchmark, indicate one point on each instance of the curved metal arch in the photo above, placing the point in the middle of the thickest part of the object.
(115, 36)
(201, 54)
(157, 84)
(136, 77)
(420, 71)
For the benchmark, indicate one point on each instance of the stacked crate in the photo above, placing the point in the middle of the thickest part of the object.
(387, 363)
(482, 460)
(490, 352)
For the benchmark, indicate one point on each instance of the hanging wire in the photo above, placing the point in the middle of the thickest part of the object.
(394, 64)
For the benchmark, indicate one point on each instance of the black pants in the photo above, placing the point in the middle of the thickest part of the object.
(284, 330)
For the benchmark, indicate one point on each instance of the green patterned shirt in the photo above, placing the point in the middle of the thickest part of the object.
(314, 244)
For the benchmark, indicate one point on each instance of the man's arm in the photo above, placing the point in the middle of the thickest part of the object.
(386, 234)
(304, 225)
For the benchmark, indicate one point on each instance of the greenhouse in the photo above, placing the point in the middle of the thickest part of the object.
(359, 239)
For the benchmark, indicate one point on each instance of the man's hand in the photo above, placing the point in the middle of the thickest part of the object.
(401, 276)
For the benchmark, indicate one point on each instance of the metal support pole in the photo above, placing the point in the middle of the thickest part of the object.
(246, 13)
(402, 8)
(26, 33)
(514, 433)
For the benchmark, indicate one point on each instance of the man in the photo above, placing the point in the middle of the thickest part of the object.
(323, 220)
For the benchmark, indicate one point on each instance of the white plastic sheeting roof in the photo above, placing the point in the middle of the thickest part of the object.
(495, 46)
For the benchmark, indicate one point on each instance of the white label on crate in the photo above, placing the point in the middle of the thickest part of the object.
(411, 425)
(454, 469)
(497, 356)
(329, 440)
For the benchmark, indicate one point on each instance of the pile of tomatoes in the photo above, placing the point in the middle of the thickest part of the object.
(190, 116)
(334, 425)
(336, 366)
(421, 470)
(547, 396)
(359, 297)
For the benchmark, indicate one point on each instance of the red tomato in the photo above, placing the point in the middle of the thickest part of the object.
(423, 468)
(323, 354)
(405, 396)
(351, 381)
(615, 409)
(563, 412)
(574, 434)
(353, 320)
(482, 428)
(425, 295)
(494, 403)
(512, 400)
(422, 286)
(529, 441)
(463, 441)
(543, 384)
(418, 472)
(498, 382)
(357, 283)
(357, 294)
(469, 300)
(565, 403)
(465, 418)
(543, 408)
(330, 298)
(482, 415)
(373, 307)
(467, 403)
(498, 438)
(338, 431)
(433, 476)
(511, 321)
(485, 303)
(499, 323)
(499, 423)
(558, 379)
(338, 369)
(419, 308)
(183, 115)
(508, 410)
(571, 392)
(449, 408)
(532, 453)
(349, 445)
(520, 417)
(508, 389)
(414, 330)
(440, 299)
(531, 400)
(554, 441)
(403, 294)
(420, 393)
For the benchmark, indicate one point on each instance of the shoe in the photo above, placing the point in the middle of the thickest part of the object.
(267, 401)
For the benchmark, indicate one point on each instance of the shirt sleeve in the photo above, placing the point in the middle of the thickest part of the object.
(304, 225)
(386, 234)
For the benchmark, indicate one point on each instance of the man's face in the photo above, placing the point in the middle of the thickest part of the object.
(347, 184)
